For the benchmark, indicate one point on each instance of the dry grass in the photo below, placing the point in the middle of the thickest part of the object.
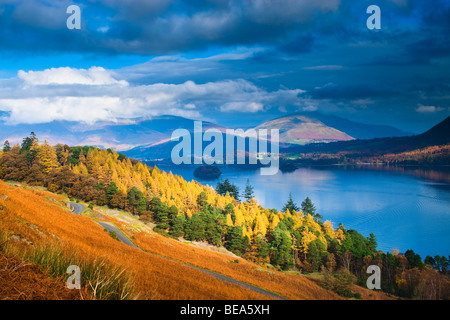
(20, 280)
(35, 222)
(154, 277)
(290, 286)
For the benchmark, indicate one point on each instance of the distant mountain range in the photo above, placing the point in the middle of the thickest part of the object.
(295, 129)
(315, 127)
(121, 135)
(301, 129)
(149, 139)
(436, 136)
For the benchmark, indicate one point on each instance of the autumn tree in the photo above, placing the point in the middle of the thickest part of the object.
(47, 157)
(14, 165)
(202, 199)
(119, 200)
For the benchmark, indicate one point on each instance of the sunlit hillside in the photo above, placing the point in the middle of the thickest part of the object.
(32, 220)
(168, 238)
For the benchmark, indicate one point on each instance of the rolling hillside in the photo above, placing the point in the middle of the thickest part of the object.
(123, 134)
(300, 129)
(164, 269)
(356, 129)
(184, 240)
(296, 129)
(149, 139)
(439, 135)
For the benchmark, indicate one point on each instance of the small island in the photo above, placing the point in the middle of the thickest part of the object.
(207, 173)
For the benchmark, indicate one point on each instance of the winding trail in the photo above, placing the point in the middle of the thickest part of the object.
(78, 208)
(112, 228)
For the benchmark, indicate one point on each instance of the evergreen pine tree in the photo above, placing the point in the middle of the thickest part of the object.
(309, 208)
(6, 146)
(248, 192)
(290, 205)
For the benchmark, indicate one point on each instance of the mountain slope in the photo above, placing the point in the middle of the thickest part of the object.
(155, 277)
(121, 135)
(162, 273)
(355, 129)
(437, 135)
(302, 129)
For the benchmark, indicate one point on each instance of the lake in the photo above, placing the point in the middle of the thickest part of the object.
(406, 208)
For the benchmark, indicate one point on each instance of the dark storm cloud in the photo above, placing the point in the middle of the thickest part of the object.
(156, 27)
(291, 27)
(320, 47)
(349, 92)
(167, 26)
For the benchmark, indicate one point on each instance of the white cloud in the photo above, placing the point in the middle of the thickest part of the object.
(428, 109)
(69, 76)
(94, 95)
(42, 110)
(310, 108)
(325, 67)
(362, 103)
(103, 29)
(247, 107)
(190, 106)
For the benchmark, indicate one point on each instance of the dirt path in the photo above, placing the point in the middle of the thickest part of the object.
(78, 208)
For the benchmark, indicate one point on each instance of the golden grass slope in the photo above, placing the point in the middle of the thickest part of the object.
(20, 280)
(25, 211)
(34, 217)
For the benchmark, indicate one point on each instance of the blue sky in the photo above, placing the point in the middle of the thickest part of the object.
(237, 63)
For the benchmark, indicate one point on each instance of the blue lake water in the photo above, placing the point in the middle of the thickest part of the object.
(406, 208)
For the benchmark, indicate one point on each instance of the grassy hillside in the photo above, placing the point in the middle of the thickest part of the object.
(33, 219)
(430, 147)
(165, 209)
(20, 280)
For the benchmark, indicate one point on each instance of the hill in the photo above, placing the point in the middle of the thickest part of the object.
(356, 129)
(147, 205)
(301, 129)
(167, 269)
(296, 129)
(123, 134)
(149, 139)
(154, 277)
(315, 127)
(439, 135)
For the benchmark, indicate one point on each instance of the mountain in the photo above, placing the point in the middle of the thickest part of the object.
(163, 149)
(314, 127)
(124, 134)
(355, 129)
(304, 129)
(150, 138)
(295, 129)
(436, 136)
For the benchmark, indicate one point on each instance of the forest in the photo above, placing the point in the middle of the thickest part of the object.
(295, 238)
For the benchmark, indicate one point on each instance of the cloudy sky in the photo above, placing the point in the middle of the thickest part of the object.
(236, 63)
